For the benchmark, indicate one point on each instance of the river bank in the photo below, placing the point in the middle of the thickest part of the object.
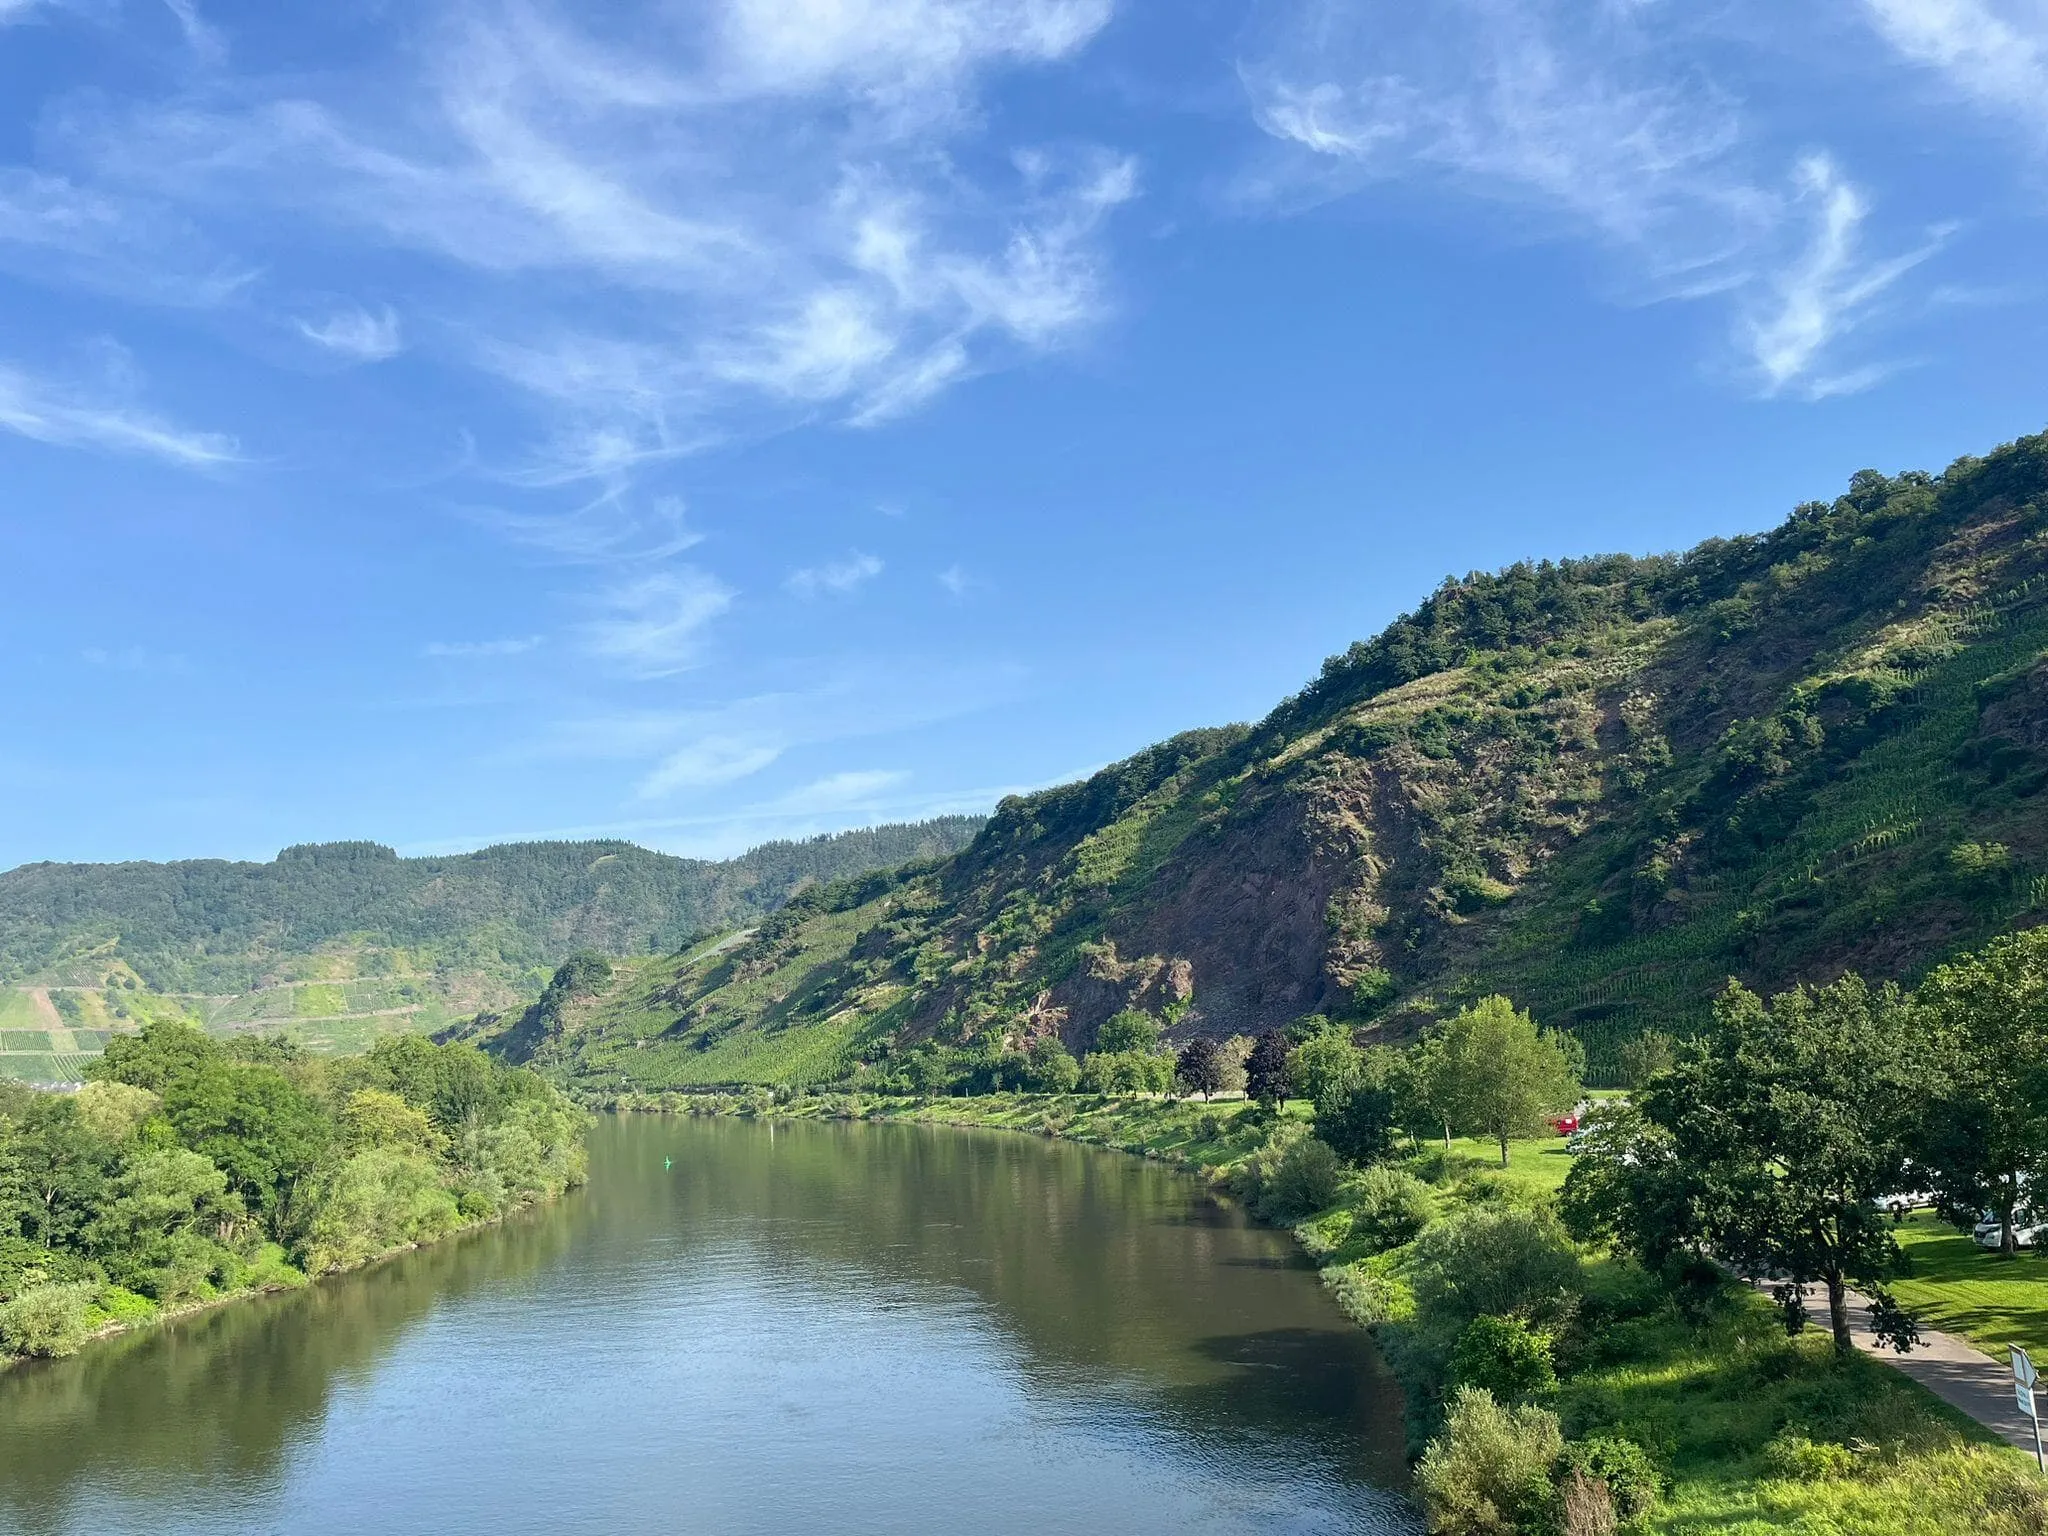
(1749, 1430)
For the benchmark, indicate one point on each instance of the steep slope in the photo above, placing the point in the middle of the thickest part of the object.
(1602, 785)
(340, 942)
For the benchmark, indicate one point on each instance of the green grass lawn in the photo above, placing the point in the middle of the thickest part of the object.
(18, 1010)
(1959, 1288)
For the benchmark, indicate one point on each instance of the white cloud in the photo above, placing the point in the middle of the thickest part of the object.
(51, 413)
(710, 761)
(613, 527)
(838, 577)
(1598, 122)
(205, 41)
(1824, 291)
(861, 788)
(955, 580)
(125, 243)
(480, 649)
(1993, 51)
(901, 52)
(682, 222)
(357, 334)
(652, 625)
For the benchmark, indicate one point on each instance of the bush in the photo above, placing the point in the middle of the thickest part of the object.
(1485, 1262)
(1488, 1473)
(1373, 987)
(1632, 1481)
(1792, 1456)
(1505, 1356)
(1390, 1207)
(1304, 1182)
(47, 1320)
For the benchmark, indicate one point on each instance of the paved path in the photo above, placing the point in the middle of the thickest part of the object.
(1959, 1374)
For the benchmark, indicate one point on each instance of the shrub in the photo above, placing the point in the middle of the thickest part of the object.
(47, 1320)
(1623, 1468)
(1488, 1473)
(1505, 1356)
(1305, 1182)
(1126, 1072)
(1585, 1507)
(1792, 1456)
(1373, 987)
(1390, 1207)
(1483, 1261)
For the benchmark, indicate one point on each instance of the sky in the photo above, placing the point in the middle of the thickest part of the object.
(706, 421)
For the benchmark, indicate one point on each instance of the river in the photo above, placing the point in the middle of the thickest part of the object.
(751, 1327)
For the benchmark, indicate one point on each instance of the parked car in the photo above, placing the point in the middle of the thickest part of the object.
(1989, 1233)
(1902, 1201)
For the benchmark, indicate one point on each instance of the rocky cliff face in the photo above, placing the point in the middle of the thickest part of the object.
(1603, 786)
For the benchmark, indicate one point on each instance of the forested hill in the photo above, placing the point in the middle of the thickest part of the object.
(215, 926)
(1602, 786)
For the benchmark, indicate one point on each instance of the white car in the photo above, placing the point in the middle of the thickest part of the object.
(1990, 1233)
(1903, 1201)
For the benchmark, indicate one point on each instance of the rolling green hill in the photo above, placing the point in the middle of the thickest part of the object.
(337, 943)
(1603, 786)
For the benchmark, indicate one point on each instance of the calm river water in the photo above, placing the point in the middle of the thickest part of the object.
(796, 1327)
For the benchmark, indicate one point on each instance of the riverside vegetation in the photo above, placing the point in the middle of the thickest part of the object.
(1578, 1355)
(187, 1170)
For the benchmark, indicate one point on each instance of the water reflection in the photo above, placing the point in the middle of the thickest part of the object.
(910, 1324)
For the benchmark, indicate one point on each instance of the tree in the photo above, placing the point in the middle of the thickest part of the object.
(1132, 1029)
(1644, 1057)
(1420, 1082)
(1360, 1126)
(1764, 1147)
(1324, 1069)
(1052, 1066)
(1983, 1136)
(256, 1125)
(1200, 1067)
(1502, 1076)
(1265, 1070)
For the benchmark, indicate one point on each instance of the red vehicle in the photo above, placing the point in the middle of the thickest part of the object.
(1566, 1124)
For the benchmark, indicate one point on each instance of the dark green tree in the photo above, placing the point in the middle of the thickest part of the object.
(1265, 1070)
(1360, 1126)
(1199, 1068)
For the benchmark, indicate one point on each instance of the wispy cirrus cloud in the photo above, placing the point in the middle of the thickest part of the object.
(357, 334)
(652, 626)
(1825, 291)
(66, 416)
(1995, 52)
(835, 577)
(682, 222)
(1598, 122)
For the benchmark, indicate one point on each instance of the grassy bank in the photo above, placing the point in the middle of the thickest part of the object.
(1749, 1430)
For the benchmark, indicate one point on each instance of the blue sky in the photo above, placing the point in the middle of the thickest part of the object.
(713, 420)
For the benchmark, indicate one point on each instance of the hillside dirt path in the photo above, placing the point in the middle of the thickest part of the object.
(1954, 1370)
